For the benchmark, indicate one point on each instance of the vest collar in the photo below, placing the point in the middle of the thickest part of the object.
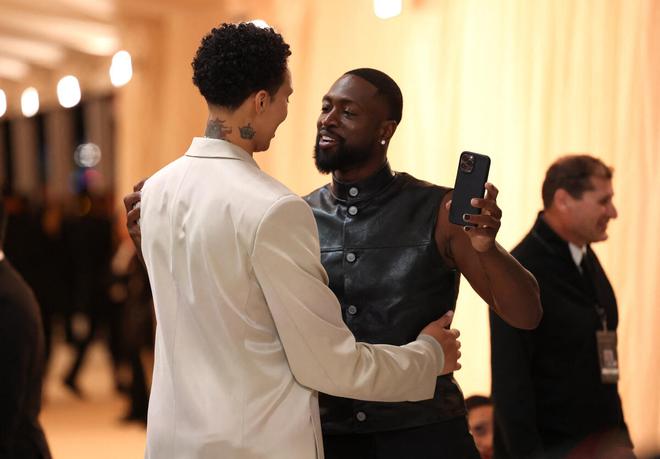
(364, 189)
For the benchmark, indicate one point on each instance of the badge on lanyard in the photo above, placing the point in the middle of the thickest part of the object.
(607, 356)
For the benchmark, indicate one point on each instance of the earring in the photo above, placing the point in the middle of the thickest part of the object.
(383, 141)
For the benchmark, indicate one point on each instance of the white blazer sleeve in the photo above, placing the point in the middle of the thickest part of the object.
(321, 350)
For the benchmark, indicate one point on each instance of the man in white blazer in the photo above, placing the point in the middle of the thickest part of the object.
(248, 330)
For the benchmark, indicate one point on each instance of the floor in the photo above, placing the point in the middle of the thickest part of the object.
(88, 427)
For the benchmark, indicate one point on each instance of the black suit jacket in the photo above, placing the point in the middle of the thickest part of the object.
(547, 390)
(21, 367)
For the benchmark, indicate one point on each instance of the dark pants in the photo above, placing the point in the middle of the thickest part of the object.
(444, 440)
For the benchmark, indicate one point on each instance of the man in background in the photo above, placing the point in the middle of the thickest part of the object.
(22, 361)
(555, 388)
(480, 421)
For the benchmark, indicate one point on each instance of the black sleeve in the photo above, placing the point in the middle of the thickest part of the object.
(516, 434)
(15, 355)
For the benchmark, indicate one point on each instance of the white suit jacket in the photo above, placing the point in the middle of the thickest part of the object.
(248, 330)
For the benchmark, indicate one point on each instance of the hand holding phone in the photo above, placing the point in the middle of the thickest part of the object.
(470, 183)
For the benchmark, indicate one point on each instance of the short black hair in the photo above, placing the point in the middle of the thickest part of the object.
(475, 401)
(387, 89)
(572, 173)
(236, 60)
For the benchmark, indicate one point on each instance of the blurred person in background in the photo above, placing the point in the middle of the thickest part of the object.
(480, 421)
(36, 243)
(22, 362)
(131, 330)
(88, 236)
(54, 283)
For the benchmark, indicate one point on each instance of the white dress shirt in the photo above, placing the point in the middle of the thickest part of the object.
(577, 253)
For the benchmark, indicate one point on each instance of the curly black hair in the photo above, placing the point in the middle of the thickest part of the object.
(236, 60)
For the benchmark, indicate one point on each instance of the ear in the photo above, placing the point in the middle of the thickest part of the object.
(387, 130)
(562, 200)
(261, 101)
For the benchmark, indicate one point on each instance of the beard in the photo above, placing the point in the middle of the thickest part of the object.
(340, 158)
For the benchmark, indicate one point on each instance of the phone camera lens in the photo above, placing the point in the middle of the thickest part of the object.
(467, 163)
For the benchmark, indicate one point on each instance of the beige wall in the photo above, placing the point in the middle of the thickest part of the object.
(523, 81)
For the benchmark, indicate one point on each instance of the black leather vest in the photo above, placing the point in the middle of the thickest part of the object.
(378, 247)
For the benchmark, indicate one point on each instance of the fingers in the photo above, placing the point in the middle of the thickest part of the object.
(445, 320)
(483, 221)
(451, 347)
(491, 191)
(132, 217)
(130, 200)
(488, 205)
(132, 204)
(138, 186)
(484, 226)
(488, 220)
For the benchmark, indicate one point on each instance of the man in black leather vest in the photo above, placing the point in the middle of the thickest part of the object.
(394, 261)
(554, 388)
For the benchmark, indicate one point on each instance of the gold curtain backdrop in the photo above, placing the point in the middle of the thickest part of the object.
(524, 81)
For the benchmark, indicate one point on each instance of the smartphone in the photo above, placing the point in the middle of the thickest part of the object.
(471, 177)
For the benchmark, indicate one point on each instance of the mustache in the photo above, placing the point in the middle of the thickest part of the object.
(329, 133)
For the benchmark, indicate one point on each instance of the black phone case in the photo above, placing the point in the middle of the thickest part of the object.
(468, 185)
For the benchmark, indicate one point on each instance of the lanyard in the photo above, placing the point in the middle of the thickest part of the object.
(589, 274)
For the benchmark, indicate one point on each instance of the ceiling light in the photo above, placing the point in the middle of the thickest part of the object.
(68, 91)
(87, 155)
(30, 102)
(385, 9)
(3, 103)
(121, 69)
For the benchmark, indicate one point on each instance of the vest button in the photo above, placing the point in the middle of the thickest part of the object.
(350, 257)
(361, 416)
(352, 210)
(353, 191)
(352, 310)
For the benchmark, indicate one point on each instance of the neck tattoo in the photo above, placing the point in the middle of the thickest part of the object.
(247, 132)
(216, 129)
